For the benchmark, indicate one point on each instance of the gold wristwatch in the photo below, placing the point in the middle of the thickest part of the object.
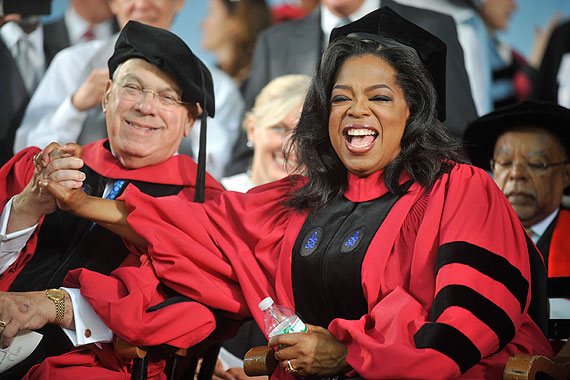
(58, 298)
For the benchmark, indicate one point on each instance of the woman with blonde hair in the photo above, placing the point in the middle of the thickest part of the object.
(269, 125)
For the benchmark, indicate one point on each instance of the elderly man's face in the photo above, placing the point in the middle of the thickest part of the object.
(143, 131)
(158, 13)
(534, 192)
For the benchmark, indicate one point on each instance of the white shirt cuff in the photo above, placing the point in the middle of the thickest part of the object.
(229, 360)
(559, 308)
(89, 328)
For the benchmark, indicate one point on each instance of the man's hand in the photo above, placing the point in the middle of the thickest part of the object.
(60, 164)
(9, 17)
(235, 373)
(28, 310)
(316, 353)
(90, 94)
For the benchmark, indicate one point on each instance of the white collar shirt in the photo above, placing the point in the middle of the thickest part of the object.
(77, 26)
(329, 21)
(539, 228)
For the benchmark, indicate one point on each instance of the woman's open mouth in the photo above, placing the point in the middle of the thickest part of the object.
(359, 140)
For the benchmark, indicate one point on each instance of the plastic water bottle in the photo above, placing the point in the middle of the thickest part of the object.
(279, 319)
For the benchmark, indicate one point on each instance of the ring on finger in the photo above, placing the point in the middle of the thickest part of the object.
(290, 368)
(3, 324)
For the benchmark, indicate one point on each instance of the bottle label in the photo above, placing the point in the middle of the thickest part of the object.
(293, 324)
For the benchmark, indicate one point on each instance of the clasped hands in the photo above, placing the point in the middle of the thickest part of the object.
(59, 174)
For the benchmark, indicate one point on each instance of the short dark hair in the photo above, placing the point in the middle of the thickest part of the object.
(427, 149)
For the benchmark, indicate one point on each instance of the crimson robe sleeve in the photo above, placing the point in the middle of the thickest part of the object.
(122, 301)
(210, 252)
(15, 175)
(470, 242)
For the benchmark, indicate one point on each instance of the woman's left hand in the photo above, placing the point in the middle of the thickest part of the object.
(314, 353)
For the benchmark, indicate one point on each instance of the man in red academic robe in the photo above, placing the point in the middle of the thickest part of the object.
(527, 147)
(40, 244)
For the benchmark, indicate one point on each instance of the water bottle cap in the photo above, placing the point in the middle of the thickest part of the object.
(265, 304)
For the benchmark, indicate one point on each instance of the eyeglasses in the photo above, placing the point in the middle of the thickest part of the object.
(135, 93)
(535, 167)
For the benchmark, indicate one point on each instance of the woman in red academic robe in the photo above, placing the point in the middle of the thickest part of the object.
(404, 261)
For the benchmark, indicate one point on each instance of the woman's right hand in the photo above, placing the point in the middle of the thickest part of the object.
(67, 199)
(315, 353)
(9, 17)
(235, 373)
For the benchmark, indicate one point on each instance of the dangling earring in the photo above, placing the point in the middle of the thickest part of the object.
(249, 144)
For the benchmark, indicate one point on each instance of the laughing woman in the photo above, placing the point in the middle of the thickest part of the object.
(404, 261)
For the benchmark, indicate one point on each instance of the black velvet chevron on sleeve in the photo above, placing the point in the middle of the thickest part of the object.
(450, 342)
(447, 339)
(488, 263)
(486, 311)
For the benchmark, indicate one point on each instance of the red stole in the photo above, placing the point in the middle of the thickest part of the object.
(559, 252)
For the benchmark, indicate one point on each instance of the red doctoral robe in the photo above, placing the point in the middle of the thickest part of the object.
(136, 293)
(446, 265)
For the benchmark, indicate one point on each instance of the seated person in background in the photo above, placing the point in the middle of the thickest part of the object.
(66, 106)
(292, 10)
(82, 21)
(511, 74)
(157, 91)
(387, 248)
(269, 125)
(526, 147)
(229, 31)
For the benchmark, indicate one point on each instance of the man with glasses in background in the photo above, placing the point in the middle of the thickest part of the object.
(526, 148)
(66, 106)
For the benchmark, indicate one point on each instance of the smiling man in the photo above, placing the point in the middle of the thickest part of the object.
(67, 104)
(156, 91)
(526, 147)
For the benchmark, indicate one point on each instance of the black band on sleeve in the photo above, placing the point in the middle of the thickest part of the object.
(450, 342)
(488, 263)
(482, 308)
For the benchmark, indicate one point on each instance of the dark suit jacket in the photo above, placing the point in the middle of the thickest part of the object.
(13, 101)
(546, 86)
(295, 47)
(56, 38)
(13, 94)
